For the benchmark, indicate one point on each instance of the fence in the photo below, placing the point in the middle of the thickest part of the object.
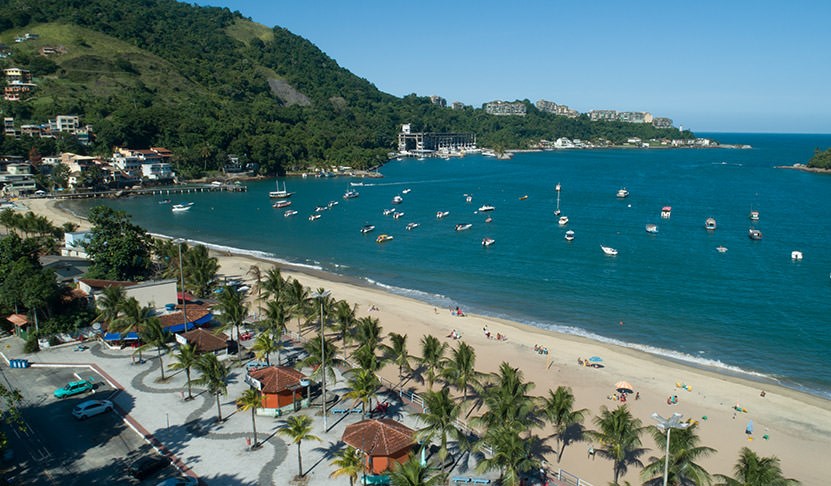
(569, 479)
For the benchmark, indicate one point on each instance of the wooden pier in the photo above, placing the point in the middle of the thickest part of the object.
(152, 191)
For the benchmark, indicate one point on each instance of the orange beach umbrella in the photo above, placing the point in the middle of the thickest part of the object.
(624, 386)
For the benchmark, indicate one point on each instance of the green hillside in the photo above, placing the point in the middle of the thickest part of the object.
(206, 82)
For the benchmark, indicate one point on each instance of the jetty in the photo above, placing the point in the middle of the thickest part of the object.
(150, 191)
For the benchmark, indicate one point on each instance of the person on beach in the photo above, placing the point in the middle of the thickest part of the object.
(591, 451)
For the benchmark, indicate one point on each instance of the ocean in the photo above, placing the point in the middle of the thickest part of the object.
(751, 311)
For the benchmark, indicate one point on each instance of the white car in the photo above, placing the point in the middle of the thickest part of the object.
(91, 408)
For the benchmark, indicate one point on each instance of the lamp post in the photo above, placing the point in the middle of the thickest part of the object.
(320, 296)
(179, 242)
(667, 425)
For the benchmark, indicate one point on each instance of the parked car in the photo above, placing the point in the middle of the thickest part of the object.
(74, 388)
(147, 465)
(183, 481)
(91, 408)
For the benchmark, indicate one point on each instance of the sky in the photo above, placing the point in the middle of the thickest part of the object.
(710, 66)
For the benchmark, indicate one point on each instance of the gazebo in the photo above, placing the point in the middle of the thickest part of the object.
(384, 441)
(279, 385)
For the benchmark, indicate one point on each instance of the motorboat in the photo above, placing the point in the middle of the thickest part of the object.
(178, 208)
(652, 228)
(387, 212)
(463, 226)
(383, 238)
(406, 191)
(754, 234)
(367, 228)
(608, 250)
(397, 199)
(754, 216)
(280, 193)
(721, 249)
(488, 241)
(563, 220)
(622, 193)
(320, 209)
(666, 211)
(281, 204)
(796, 255)
(412, 226)
(488, 219)
(710, 224)
(290, 212)
(356, 184)
(523, 197)
(164, 201)
(569, 235)
(350, 194)
(314, 217)
(485, 208)
(441, 214)
(332, 204)
(397, 214)
(468, 198)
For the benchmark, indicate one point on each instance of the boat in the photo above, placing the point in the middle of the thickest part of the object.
(383, 238)
(178, 208)
(281, 204)
(463, 226)
(412, 226)
(280, 193)
(397, 199)
(563, 220)
(569, 235)
(320, 209)
(796, 255)
(468, 198)
(350, 194)
(367, 228)
(441, 214)
(397, 215)
(652, 228)
(721, 249)
(485, 208)
(557, 188)
(608, 250)
(710, 224)
(356, 184)
(488, 219)
(314, 217)
(332, 204)
(406, 191)
(754, 234)
(164, 201)
(754, 215)
(524, 197)
(622, 193)
(488, 241)
(387, 212)
(290, 212)
(666, 211)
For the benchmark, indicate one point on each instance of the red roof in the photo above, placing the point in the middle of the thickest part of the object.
(205, 341)
(275, 379)
(379, 437)
(195, 312)
(18, 320)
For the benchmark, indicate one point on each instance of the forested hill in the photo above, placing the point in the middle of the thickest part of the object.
(206, 82)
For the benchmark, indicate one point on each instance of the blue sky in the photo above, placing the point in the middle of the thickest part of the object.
(731, 66)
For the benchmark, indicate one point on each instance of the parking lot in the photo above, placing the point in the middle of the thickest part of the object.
(57, 449)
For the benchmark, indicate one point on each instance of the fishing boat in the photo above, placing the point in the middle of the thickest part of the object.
(383, 238)
(412, 226)
(754, 216)
(754, 234)
(721, 249)
(397, 215)
(569, 235)
(441, 214)
(485, 208)
(397, 199)
(367, 228)
(281, 204)
(178, 208)
(488, 241)
(608, 250)
(314, 217)
(666, 211)
(280, 193)
(557, 188)
(350, 194)
(622, 193)
(463, 226)
(406, 191)
(290, 212)
(710, 224)
(563, 220)
(652, 228)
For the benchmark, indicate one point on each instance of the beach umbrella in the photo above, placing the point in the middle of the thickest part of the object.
(624, 387)
(595, 359)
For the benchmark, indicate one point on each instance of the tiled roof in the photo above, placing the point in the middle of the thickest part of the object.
(102, 284)
(206, 341)
(276, 379)
(194, 314)
(18, 320)
(379, 437)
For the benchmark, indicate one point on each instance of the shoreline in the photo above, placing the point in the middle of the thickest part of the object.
(797, 423)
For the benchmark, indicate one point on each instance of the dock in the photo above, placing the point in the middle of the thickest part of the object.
(152, 191)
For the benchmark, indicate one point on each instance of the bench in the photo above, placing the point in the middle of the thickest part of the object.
(357, 410)
(460, 479)
(340, 410)
(481, 481)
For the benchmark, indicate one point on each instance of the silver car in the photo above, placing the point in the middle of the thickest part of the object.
(91, 408)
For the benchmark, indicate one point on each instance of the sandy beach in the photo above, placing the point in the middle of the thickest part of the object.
(797, 425)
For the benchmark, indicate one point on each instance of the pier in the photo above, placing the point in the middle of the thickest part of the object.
(152, 191)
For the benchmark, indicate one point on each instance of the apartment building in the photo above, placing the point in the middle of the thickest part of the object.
(504, 108)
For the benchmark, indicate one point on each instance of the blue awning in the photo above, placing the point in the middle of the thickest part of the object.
(179, 327)
(116, 336)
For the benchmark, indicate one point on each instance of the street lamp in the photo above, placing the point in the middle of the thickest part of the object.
(179, 242)
(321, 296)
(667, 425)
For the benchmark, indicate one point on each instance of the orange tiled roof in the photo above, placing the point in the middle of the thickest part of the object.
(206, 341)
(18, 320)
(276, 379)
(194, 314)
(379, 437)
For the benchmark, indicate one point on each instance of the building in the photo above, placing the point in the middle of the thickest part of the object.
(438, 100)
(428, 143)
(635, 117)
(8, 127)
(660, 122)
(204, 341)
(504, 108)
(282, 388)
(17, 180)
(16, 91)
(17, 75)
(554, 108)
(73, 244)
(383, 441)
(604, 115)
(458, 105)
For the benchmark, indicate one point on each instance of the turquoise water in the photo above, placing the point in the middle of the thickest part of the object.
(750, 310)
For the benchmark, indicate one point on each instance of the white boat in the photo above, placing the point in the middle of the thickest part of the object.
(796, 255)
(350, 194)
(754, 216)
(563, 221)
(290, 212)
(485, 208)
(468, 198)
(721, 249)
(280, 193)
(608, 250)
(397, 215)
(367, 228)
(387, 212)
(710, 224)
(383, 238)
(488, 241)
(314, 217)
(488, 219)
(281, 204)
(178, 208)
(441, 214)
(356, 184)
(412, 226)
(557, 188)
(569, 235)
(622, 193)
(397, 199)
(332, 204)
(406, 191)
(754, 234)
(320, 209)
(463, 226)
(652, 228)
(666, 211)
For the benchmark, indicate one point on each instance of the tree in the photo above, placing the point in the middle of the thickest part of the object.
(684, 449)
(110, 303)
(118, 249)
(432, 357)
(298, 428)
(275, 316)
(297, 297)
(154, 336)
(251, 400)
(199, 270)
(214, 377)
(506, 395)
(345, 320)
(132, 316)
(558, 408)
(255, 273)
(232, 309)
(414, 473)
(363, 385)
(397, 353)
(186, 359)
(9, 413)
(315, 361)
(619, 436)
(348, 462)
(460, 369)
(439, 417)
(752, 470)
(272, 285)
(512, 454)
(264, 345)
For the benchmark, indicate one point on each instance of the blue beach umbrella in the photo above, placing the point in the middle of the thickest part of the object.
(595, 359)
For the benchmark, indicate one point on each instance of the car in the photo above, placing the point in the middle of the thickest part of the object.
(74, 388)
(91, 408)
(182, 481)
(147, 465)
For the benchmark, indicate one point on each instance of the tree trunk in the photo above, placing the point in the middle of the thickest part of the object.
(161, 364)
(190, 394)
(299, 461)
(254, 425)
(218, 408)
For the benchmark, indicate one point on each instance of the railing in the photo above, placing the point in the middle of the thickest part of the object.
(570, 479)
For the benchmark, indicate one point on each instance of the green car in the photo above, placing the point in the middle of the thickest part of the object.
(74, 388)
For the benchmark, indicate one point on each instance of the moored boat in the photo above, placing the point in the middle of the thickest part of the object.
(280, 193)
(563, 220)
(710, 224)
(412, 226)
(754, 216)
(468, 198)
(314, 217)
(367, 228)
(721, 249)
(523, 197)
(754, 234)
(178, 208)
(666, 211)
(387, 212)
(350, 194)
(652, 228)
(383, 238)
(486, 207)
(622, 193)
(796, 255)
(281, 204)
(463, 226)
(441, 214)
(569, 235)
(397, 214)
(290, 212)
(608, 250)
(488, 241)
(488, 219)
(406, 191)
(397, 199)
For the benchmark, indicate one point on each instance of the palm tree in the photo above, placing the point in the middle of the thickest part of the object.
(683, 451)
(397, 353)
(133, 316)
(314, 360)
(363, 385)
(214, 377)
(512, 454)
(110, 304)
(257, 275)
(185, 360)
(432, 357)
(298, 428)
(349, 462)
(153, 335)
(507, 397)
(558, 408)
(460, 369)
(368, 333)
(752, 470)
(440, 416)
(297, 297)
(232, 308)
(251, 400)
(414, 473)
(275, 316)
(272, 284)
(264, 345)
(344, 320)
(199, 269)
(619, 436)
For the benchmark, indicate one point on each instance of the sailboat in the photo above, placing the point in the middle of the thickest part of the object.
(557, 188)
(280, 193)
